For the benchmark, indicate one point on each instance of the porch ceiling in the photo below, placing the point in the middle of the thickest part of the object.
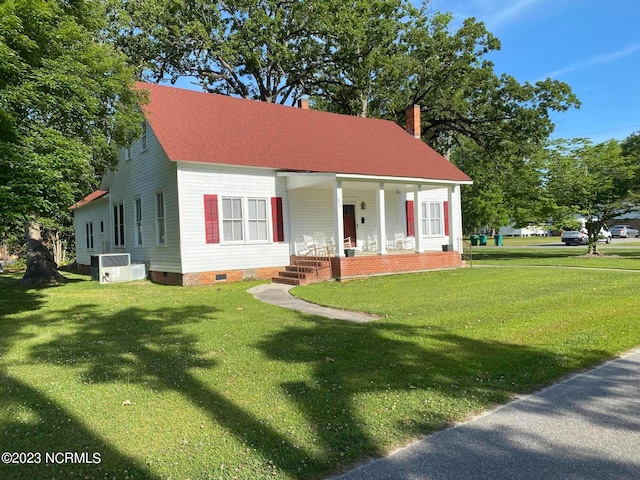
(297, 180)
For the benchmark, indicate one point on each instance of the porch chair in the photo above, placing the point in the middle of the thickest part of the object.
(404, 243)
(307, 247)
(372, 243)
(323, 244)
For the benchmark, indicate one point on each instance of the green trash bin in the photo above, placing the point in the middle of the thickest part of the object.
(474, 240)
(483, 239)
(498, 240)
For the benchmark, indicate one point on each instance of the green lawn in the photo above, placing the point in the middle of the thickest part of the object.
(207, 382)
(614, 256)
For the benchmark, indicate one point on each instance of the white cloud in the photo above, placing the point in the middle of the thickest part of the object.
(493, 13)
(513, 11)
(595, 60)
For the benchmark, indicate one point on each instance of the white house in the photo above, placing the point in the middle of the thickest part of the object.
(221, 188)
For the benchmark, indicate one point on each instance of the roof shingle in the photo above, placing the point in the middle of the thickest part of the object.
(203, 127)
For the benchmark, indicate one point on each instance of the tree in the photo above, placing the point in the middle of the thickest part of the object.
(507, 186)
(266, 50)
(359, 57)
(66, 104)
(595, 181)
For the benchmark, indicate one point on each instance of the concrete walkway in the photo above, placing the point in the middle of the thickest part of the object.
(278, 294)
(586, 427)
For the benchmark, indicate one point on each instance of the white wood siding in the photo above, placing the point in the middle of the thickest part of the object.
(312, 213)
(146, 173)
(435, 242)
(98, 213)
(196, 180)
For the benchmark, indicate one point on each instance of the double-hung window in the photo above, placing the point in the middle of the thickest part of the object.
(161, 238)
(138, 213)
(89, 235)
(435, 218)
(257, 219)
(232, 219)
(432, 219)
(143, 138)
(118, 224)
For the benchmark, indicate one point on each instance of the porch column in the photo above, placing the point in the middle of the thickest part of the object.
(339, 218)
(452, 195)
(417, 218)
(382, 228)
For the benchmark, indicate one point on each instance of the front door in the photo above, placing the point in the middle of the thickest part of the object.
(349, 220)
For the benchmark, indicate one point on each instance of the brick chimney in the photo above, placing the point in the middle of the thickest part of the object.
(413, 121)
(303, 103)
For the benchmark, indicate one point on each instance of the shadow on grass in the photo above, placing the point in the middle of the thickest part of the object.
(44, 427)
(350, 361)
(150, 348)
(15, 298)
(559, 433)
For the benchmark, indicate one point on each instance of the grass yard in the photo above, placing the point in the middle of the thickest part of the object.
(625, 257)
(207, 382)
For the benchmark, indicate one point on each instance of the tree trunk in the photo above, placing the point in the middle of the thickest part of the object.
(41, 268)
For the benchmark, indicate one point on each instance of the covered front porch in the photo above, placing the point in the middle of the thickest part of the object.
(371, 213)
(361, 225)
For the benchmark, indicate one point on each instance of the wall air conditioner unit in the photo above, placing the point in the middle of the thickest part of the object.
(111, 267)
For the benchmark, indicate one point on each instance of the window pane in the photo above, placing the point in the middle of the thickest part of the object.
(160, 199)
(161, 234)
(237, 230)
(227, 230)
(237, 208)
(435, 210)
(226, 208)
(253, 209)
(262, 209)
(262, 231)
(253, 230)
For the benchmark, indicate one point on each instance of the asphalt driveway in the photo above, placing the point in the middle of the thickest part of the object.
(586, 427)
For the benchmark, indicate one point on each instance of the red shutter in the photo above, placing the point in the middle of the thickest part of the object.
(445, 206)
(211, 218)
(411, 226)
(277, 219)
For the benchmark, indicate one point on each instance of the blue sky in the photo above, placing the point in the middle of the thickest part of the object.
(593, 45)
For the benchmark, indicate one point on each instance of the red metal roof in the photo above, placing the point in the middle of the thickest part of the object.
(89, 198)
(203, 127)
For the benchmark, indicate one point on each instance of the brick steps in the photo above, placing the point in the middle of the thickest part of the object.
(304, 270)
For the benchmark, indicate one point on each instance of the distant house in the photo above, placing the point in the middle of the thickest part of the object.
(222, 189)
(531, 230)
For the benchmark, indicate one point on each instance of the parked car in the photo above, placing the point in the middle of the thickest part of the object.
(624, 231)
(581, 237)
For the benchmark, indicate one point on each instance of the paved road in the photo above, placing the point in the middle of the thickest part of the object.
(587, 428)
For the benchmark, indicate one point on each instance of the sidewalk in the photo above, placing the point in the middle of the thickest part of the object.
(278, 294)
(586, 427)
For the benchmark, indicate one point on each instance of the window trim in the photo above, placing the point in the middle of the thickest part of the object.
(427, 219)
(137, 215)
(233, 220)
(89, 237)
(264, 220)
(161, 220)
(119, 232)
(144, 144)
